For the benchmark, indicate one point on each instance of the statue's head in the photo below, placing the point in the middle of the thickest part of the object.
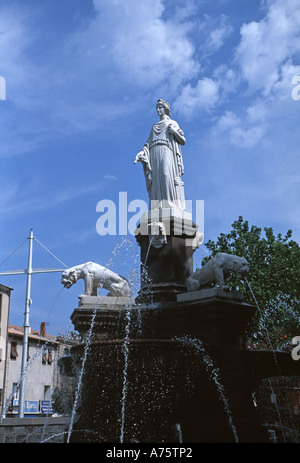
(165, 105)
(241, 267)
(68, 278)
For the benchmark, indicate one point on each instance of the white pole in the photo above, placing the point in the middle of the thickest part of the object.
(26, 330)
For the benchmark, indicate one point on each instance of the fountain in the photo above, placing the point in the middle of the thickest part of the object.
(169, 365)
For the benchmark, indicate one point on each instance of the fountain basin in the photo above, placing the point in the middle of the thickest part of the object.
(142, 361)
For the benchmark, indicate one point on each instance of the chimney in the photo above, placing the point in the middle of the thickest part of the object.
(43, 329)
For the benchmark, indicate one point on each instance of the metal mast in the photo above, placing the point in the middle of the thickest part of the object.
(29, 271)
(26, 330)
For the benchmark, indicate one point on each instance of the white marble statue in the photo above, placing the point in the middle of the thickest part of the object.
(162, 161)
(96, 276)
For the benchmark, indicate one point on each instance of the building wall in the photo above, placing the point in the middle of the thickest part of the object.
(34, 430)
(41, 373)
(5, 292)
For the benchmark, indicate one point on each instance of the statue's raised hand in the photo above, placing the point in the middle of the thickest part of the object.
(177, 132)
(171, 129)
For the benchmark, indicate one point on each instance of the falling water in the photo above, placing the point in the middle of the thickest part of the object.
(126, 355)
(149, 246)
(260, 313)
(86, 349)
(275, 359)
(145, 277)
(125, 243)
(127, 342)
(215, 375)
(125, 371)
(120, 246)
(59, 434)
(179, 432)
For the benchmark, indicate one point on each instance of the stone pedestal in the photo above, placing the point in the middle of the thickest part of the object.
(167, 239)
(107, 313)
(150, 370)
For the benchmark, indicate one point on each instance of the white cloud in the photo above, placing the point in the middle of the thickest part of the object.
(227, 78)
(133, 48)
(264, 59)
(240, 131)
(88, 78)
(266, 45)
(202, 97)
(218, 35)
(282, 89)
(26, 80)
(134, 40)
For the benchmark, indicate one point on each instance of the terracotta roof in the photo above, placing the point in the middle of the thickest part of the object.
(33, 334)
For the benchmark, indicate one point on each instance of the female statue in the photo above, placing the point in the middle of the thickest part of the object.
(162, 161)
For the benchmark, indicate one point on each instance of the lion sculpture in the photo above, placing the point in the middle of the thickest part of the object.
(216, 270)
(96, 276)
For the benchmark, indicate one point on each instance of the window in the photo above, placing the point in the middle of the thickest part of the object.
(14, 350)
(15, 391)
(66, 351)
(47, 357)
(50, 359)
(47, 395)
(44, 357)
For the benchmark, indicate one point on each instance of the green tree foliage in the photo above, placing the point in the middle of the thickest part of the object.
(274, 278)
(64, 397)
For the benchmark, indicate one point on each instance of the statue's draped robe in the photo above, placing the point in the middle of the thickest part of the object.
(163, 166)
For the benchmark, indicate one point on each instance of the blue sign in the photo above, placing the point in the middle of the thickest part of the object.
(30, 406)
(47, 407)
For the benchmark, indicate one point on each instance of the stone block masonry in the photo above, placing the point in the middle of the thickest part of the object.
(34, 430)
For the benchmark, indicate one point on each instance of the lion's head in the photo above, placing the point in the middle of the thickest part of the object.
(240, 267)
(68, 278)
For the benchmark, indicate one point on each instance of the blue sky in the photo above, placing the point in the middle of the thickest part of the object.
(82, 80)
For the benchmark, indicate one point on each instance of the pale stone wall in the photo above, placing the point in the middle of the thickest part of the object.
(34, 430)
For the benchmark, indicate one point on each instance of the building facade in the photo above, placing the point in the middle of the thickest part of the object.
(5, 292)
(42, 371)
